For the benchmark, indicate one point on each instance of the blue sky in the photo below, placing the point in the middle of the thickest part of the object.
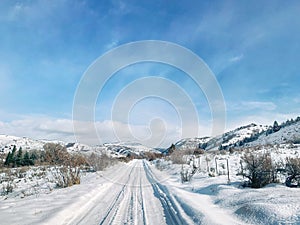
(253, 48)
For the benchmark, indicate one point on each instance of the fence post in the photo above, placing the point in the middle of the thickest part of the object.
(216, 166)
(228, 170)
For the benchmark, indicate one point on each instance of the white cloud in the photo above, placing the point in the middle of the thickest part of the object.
(157, 133)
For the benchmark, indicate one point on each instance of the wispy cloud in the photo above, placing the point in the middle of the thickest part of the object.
(236, 58)
(111, 45)
(252, 105)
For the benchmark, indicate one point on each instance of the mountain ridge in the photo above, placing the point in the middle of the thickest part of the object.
(245, 136)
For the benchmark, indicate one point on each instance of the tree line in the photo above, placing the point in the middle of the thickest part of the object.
(17, 158)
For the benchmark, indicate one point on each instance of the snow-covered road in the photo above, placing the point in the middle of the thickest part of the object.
(134, 195)
(124, 194)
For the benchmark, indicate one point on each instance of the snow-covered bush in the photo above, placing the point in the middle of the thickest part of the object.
(258, 168)
(178, 156)
(66, 176)
(100, 161)
(161, 164)
(187, 173)
(292, 168)
(7, 182)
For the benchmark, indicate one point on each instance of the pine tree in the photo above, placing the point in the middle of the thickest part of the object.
(13, 156)
(8, 159)
(33, 157)
(27, 161)
(19, 159)
(276, 127)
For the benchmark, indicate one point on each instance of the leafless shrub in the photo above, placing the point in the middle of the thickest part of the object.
(2, 159)
(292, 168)
(55, 154)
(187, 173)
(177, 157)
(7, 183)
(66, 176)
(7, 187)
(199, 151)
(67, 172)
(181, 156)
(100, 162)
(258, 169)
(160, 164)
(152, 156)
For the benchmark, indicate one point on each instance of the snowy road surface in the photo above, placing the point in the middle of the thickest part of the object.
(125, 194)
(133, 195)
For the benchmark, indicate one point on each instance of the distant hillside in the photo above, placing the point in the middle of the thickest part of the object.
(7, 143)
(249, 135)
(287, 134)
(225, 141)
(128, 149)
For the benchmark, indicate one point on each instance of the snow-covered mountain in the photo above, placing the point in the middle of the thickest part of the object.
(7, 143)
(249, 135)
(225, 141)
(287, 134)
(191, 143)
(128, 149)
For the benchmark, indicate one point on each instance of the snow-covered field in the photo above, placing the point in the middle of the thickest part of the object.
(214, 200)
(142, 192)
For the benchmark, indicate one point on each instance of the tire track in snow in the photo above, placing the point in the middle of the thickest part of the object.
(113, 209)
(170, 209)
(142, 199)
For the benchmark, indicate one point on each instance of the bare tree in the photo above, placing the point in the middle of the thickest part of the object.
(258, 169)
(292, 168)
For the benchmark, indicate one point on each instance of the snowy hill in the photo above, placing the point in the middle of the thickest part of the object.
(241, 135)
(249, 135)
(287, 134)
(191, 143)
(7, 143)
(128, 149)
(229, 139)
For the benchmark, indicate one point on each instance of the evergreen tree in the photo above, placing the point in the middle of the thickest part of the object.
(33, 156)
(19, 159)
(27, 161)
(8, 159)
(276, 127)
(13, 156)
